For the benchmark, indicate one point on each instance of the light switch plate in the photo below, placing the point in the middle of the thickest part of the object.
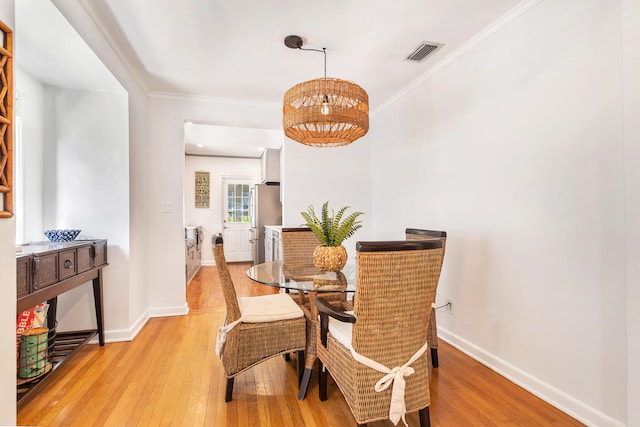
(167, 207)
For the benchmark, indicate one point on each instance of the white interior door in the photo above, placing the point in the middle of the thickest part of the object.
(236, 219)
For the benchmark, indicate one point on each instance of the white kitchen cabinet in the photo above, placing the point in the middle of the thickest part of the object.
(277, 246)
(268, 244)
(193, 247)
(272, 243)
(282, 174)
(270, 166)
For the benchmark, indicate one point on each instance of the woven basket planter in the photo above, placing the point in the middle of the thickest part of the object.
(330, 258)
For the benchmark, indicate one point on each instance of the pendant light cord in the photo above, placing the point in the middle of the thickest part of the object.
(324, 50)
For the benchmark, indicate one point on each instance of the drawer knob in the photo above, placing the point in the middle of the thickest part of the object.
(68, 264)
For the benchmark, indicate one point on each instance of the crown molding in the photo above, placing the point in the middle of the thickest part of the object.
(103, 28)
(212, 99)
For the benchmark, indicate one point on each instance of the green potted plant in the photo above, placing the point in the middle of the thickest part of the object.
(331, 231)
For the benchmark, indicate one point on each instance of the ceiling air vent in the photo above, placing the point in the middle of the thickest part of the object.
(422, 51)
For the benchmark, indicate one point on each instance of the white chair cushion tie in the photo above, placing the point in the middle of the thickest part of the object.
(221, 337)
(397, 408)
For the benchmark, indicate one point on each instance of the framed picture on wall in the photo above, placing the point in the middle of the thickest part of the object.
(202, 189)
(6, 117)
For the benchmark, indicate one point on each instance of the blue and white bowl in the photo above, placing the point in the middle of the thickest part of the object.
(61, 235)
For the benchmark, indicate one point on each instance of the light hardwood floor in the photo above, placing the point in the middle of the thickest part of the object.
(170, 376)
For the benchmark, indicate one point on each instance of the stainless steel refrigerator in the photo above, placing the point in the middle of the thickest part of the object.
(265, 209)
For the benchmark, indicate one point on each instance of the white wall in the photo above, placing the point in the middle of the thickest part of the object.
(87, 187)
(141, 150)
(341, 176)
(631, 85)
(515, 149)
(30, 107)
(211, 219)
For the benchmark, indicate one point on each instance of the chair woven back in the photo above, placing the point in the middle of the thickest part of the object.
(229, 291)
(395, 287)
(298, 245)
(419, 234)
(432, 335)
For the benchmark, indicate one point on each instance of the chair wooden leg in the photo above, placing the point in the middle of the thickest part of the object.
(228, 394)
(434, 357)
(425, 420)
(300, 368)
(304, 383)
(287, 357)
(322, 382)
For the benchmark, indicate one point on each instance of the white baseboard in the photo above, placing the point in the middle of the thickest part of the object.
(120, 335)
(169, 311)
(561, 400)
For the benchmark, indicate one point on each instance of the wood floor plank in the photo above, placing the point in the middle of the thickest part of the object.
(170, 376)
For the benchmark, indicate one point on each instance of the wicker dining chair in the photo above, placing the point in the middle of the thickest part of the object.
(395, 287)
(432, 336)
(298, 245)
(267, 326)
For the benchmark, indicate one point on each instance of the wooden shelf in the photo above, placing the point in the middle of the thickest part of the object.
(66, 343)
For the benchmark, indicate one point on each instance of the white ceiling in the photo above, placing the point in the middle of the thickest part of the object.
(234, 49)
(203, 139)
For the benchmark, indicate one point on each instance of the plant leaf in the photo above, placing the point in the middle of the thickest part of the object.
(332, 230)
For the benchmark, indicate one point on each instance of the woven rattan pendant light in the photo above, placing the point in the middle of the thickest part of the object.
(325, 112)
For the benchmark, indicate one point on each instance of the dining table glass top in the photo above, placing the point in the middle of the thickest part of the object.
(307, 278)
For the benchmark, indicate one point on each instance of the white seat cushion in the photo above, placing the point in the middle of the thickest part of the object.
(268, 308)
(341, 331)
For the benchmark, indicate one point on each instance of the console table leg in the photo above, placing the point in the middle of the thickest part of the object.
(97, 299)
(51, 313)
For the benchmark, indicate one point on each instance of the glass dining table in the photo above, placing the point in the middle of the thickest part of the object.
(305, 284)
(305, 278)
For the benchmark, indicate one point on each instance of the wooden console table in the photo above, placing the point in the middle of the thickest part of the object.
(46, 270)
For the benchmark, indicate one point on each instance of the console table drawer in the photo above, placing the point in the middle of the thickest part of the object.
(67, 264)
(23, 279)
(45, 270)
(100, 252)
(85, 258)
